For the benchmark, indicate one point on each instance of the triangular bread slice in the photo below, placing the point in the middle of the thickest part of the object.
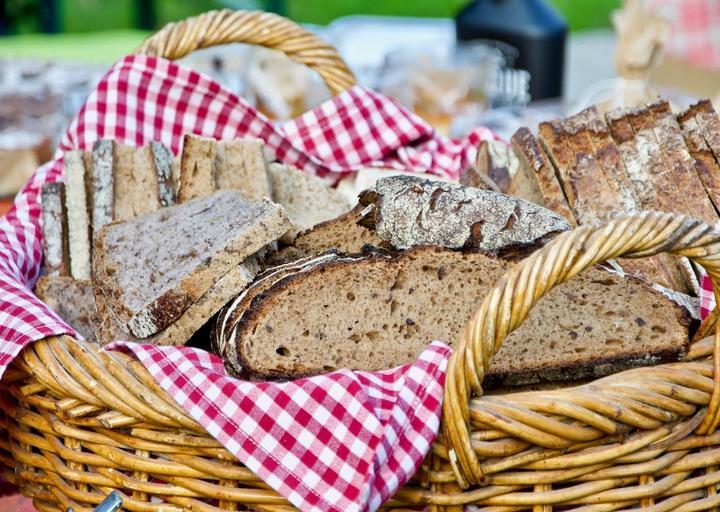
(152, 268)
(379, 311)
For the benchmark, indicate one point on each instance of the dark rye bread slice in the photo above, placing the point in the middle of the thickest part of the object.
(107, 328)
(536, 171)
(73, 300)
(700, 127)
(222, 341)
(406, 211)
(379, 311)
(54, 228)
(152, 268)
(342, 234)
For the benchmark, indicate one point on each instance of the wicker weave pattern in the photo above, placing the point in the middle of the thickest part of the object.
(214, 28)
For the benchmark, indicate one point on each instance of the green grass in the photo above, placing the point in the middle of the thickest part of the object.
(97, 47)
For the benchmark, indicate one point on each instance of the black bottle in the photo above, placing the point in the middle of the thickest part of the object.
(534, 28)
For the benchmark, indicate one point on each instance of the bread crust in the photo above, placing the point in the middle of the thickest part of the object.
(54, 226)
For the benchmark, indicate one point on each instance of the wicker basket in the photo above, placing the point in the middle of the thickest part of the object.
(82, 423)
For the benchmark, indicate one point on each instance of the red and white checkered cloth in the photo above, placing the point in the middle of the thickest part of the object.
(342, 441)
(707, 297)
(694, 30)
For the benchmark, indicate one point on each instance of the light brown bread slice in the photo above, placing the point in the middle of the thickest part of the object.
(688, 186)
(309, 200)
(191, 320)
(377, 312)
(77, 211)
(54, 227)
(700, 127)
(73, 300)
(541, 185)
(197, 168)
(222, 342)
(241, 165)
(152, 268)
(407, 211)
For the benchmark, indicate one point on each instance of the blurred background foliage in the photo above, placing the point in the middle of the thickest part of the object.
(97, 15)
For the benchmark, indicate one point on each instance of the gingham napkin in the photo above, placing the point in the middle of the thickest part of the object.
(707, 298)
(342, 441)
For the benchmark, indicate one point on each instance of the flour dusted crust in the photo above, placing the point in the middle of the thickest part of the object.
(76, 205)
(152, 268)
(406, 211)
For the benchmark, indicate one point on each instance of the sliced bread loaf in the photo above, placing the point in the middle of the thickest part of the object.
(152, 268)
(406, 211)
(241, 165)
(73, 300)
(377, 311)
(76, 205)
(54, 227)
(541, 185)
(197, 168)
(309, 200)
(495, 168)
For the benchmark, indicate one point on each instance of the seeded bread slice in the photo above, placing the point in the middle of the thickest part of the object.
(77, 210)
(241, 165)
(73, 300)
(538, 175)
(406, 211)
(309, 200)
(701, 127)
(197, 168)
(377, 312)
(152, 268)
(107, 328)
(54, 227)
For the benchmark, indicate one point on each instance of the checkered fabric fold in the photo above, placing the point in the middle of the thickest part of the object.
(342, 441)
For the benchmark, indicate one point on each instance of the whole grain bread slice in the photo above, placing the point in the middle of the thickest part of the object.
(406, 211)
(309, 200)
(76, 204)
(107, 328)
(54, 228)
(241, 165)
(152, 268)
(496, 168)
(701, 128)
(378, 311)
(197, 168)
(541, 185)
(73, 300)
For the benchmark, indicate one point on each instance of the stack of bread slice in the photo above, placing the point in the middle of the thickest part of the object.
(141, 193)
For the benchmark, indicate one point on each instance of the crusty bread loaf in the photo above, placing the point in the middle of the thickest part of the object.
(152, 268)
(77, 211)
(197, 168)
(108, 329)
(376, 312)
(406, 211)
(241, 165)
(688, 187)
(541, 185)
(73, 300)
(701, 127)
(309, 200)
(54, 227)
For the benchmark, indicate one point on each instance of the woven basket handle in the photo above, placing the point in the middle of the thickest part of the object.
(213, 28)
(509, 303)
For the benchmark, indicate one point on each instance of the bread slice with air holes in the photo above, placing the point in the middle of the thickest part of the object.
(152, 268)
(241, 165)
(197, 168)
(73, 300)
(377, 311)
